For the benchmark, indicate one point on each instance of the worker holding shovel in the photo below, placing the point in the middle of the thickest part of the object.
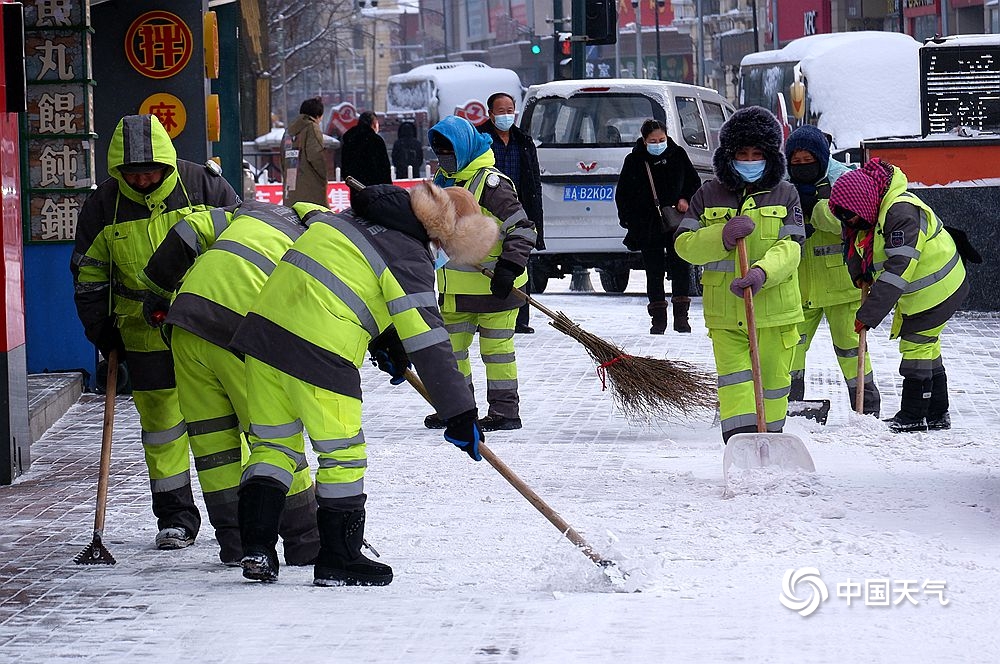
(748, 203)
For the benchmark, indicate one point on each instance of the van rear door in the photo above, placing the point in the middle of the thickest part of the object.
(582, 141)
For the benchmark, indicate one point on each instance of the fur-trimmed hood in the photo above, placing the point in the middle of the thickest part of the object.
(750, 127)
(452, 217)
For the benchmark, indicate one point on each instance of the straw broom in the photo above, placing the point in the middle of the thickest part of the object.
(643, 387)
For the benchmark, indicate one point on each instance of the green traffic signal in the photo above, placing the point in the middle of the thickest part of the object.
(536, 49)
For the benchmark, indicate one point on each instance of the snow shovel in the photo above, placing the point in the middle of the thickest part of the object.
(96, 553)
(615, 574)
(756, 450)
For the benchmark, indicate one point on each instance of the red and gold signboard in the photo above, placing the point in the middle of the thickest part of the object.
(168, 109)
(158, 44)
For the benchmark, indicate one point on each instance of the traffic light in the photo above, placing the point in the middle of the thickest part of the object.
(536, 47)
(601, 21)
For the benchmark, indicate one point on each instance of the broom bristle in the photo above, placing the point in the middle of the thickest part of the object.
(645, 387)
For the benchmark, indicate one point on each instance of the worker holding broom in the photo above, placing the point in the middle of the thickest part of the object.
(748, 200)
(362, 275)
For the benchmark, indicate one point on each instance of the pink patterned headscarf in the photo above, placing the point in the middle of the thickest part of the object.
(862, 191)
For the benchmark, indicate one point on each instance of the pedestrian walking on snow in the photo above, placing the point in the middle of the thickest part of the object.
(748, 200)
(303, 166)
(654, 189)
(896, 243)
(363, 154)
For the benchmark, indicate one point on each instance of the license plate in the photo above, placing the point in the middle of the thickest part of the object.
(589, 192)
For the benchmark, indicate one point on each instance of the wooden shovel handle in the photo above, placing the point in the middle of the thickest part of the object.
(758, 387)
(859, 388)
(111, 389)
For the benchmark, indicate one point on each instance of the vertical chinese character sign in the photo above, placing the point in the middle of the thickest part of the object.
(58, 139)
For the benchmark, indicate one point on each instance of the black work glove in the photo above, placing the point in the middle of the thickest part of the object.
(463, 432)
(109, 339)
(504, 275)
(154, 309)
(810, 229)
(388, 354)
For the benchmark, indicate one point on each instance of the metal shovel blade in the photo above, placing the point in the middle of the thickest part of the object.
(95, 554)
(758, 450)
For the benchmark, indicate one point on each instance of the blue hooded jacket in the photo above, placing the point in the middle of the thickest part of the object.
(467, 141)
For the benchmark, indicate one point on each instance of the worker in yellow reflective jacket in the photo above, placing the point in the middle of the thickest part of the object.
(119, 227)
(362, 279)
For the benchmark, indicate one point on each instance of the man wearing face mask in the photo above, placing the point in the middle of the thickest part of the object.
(471, 302)
(897, 244)
(516, 158)
(824, 282)
(750, 199)
(119, 227)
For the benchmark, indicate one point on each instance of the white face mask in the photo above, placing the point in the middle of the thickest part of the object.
(504, 122)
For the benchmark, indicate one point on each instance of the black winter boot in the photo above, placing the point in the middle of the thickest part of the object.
(938, 418)
(913, 406)
(658, 314)
(298, 530)
(261, 505)
(682, 305)
(340, 561)
(797, 391)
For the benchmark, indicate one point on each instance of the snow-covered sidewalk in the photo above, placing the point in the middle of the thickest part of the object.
(480, 576)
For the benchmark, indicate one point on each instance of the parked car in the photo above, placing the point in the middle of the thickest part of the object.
(583, 130)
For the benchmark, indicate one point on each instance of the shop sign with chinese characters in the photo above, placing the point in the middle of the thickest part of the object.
(58, 132)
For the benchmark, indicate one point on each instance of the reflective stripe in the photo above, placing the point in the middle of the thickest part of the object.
(499, 358)
(878, 266)
(121, 290)
(358, 239)
(218, 459)
(923, 219)
(170, 483)
(473, 186)
(165, 436)
(263, 263)
(776, 426)
(401, 304)
(852, 383)
(289, 225)
(188, 236)
(720, 266)
(267, 470)
(490, 333)
(893, 280)
(213, 425)
(791, 230)
(330, 462)
(513, 220)
(425, 340)
(333, 444)
(276, 430)
(137, 139)
(90, 286)
(324, 490)
(82, 260)
(735, 378)
(220, 221)
(472, 268)
(916, 338)
(461, 328)
(738, 422)
(527, 233)
(341, 290)
(924, 282)
(779, 393)
(905, 250)
(501, 385)
(462, 355)
(689, 224)
(828, 250)
(916, 364)
(297, 457)
(845, 352)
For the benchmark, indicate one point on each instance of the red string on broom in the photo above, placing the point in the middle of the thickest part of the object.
(602, 370)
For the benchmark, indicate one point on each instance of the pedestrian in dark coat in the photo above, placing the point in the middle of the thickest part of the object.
(516, 158)
(407, 152)
(656, 156)
(303, 167)
(363, 154)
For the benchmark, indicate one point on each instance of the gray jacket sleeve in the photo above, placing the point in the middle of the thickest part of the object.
(517, 232)
(901, 231)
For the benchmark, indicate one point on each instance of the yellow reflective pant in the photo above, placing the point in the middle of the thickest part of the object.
(496, 348)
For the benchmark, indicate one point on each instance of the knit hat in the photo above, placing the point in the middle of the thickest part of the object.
(857, 192)
(813, 141)
(453, 218)
(750, 127)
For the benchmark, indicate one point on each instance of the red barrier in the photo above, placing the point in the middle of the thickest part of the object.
(337, 193)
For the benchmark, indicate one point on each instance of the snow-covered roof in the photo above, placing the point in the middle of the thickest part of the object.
(964, 40)
(814, 46)
(567, 88)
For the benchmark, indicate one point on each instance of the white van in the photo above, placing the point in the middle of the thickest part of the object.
(583, 130)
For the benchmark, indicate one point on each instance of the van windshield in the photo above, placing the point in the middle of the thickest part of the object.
(590, 119)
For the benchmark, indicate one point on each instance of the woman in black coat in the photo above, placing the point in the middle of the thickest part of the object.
(676, 181)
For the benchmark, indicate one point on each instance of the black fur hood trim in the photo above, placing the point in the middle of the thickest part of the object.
(752, 126)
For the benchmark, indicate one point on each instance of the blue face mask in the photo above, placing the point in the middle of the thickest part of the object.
(440, 257)
(656, 149)
(750, 171)
(504, 122)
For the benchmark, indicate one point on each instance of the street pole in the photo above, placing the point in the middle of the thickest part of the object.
(578, 42)
(659, 58)
(899, 13)
(944, 18)
(638, 39)
(444, 26)
(371, 104)
(284, 75)
(775, 40)
(701, 45)
(756, 32)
